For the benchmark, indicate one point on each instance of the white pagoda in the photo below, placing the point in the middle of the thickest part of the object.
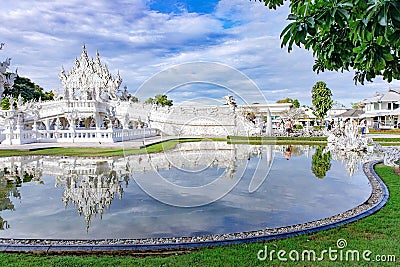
(86, 110)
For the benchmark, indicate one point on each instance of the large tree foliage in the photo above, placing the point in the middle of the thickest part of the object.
(160, 100)
(360, 34)
(321, 99)
(27, 89)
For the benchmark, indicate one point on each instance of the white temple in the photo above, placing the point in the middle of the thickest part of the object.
(89, 109)
(84, 111)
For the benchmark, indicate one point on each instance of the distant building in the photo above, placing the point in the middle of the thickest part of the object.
(277, 110)
(382, 109)
(350, 114)
(334, 112)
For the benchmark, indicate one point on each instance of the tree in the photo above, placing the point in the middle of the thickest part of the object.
(338, 104)
(294, 113)
(5, 103)
(355, 105)
(28, 90)
(345, 34)
(286, 100)
(321, 99)
(295, 102)
(160, 100)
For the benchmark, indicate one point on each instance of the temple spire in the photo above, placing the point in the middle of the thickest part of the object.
(84, 52)
(89, 79)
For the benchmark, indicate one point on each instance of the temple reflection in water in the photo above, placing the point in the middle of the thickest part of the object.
(218, 188)
(91, 183)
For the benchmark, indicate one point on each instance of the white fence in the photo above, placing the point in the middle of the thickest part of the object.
(77, 136)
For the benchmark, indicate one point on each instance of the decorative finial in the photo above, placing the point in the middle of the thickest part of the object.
(84, 51)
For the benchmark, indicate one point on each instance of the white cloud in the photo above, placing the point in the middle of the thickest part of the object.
(41, 36)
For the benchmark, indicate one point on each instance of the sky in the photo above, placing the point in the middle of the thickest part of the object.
(141, 38)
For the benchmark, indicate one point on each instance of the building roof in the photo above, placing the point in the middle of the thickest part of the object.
(351, 113)
(392, 95)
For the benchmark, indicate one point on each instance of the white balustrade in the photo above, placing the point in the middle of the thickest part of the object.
(81, 135)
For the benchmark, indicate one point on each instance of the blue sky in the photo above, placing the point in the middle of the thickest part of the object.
(141, 38)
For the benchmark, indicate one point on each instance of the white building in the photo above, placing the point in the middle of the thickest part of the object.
(383, 108)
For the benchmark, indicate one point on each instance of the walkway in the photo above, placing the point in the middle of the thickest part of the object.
(132, 144)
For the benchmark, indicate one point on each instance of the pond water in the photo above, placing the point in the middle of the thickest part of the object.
(205, 188)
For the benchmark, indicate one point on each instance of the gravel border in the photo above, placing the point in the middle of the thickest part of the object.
(376, 201)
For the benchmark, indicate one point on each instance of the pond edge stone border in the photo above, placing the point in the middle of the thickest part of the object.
(378, 198)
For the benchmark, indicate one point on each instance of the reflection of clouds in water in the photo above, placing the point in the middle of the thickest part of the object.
(91, 184)
(290, 195)
(211, 154)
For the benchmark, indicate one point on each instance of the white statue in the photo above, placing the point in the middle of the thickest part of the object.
(230, 101)
(4, 65)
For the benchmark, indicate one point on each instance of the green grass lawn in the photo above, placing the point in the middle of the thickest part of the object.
(100, 152)
(379, 233)
(389, 131)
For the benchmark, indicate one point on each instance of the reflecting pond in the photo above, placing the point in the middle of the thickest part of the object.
(196, 189)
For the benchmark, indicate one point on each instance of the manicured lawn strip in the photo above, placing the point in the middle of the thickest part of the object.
(378, 139)
(389, 143)
(392, 131)
(170, 144)
(379, 233)
(100, 152)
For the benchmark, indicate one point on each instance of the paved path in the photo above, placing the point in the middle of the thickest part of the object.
(133, 144)
(383, 135)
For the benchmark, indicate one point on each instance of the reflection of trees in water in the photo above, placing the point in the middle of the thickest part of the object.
(321, 162)
(8, 189)
(10, 180)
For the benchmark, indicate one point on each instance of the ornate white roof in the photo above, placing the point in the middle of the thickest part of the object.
(89, 79)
